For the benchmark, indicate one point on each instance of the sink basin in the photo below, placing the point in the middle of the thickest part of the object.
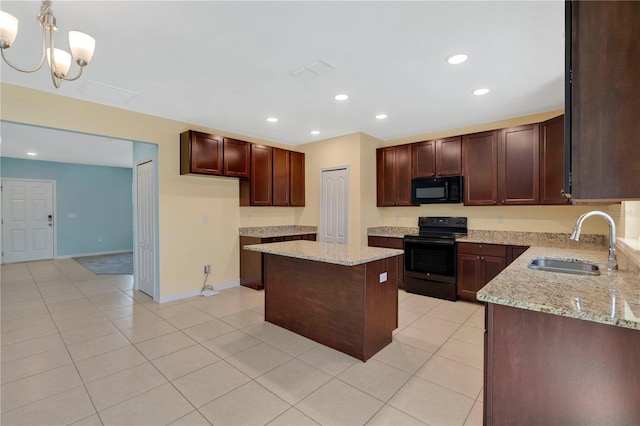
(564, 266)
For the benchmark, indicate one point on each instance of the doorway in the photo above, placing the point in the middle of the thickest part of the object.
(144, 236)
(28, 227)
(334, 205)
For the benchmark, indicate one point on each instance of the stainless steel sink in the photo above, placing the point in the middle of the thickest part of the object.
(565, 266)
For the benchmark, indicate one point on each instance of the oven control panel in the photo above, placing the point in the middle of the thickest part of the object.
(443, 222)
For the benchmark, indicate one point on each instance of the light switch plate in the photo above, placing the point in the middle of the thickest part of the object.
(383, 277)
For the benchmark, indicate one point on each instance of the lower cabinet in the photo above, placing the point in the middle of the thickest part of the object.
(390, 242)
(251, 262)
(480, 263)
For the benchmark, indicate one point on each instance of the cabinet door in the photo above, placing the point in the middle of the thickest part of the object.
(480, 159)
(403, 170)
(449, 157)
(386, 177)
(200, 153)
(261, 175)
(519, 165)
(468, 276)
(605, 124)
(297, 179)
(515, 252)
(423, 159)
(552, 161)
(491, 266)
(236, 158)
(281, 165)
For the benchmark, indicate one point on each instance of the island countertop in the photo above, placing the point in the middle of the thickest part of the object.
(611, 298)
(340, 254)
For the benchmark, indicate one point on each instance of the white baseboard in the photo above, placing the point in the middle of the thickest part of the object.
(69, 256)
(192, 293)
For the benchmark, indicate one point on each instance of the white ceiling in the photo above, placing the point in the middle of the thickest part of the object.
(229, 65)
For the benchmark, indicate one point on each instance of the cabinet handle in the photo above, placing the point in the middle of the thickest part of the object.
(504, 201)
(481, 257)
(480, 246)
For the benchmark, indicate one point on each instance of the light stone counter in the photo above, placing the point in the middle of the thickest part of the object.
(611, 298)
(340, 254)
(391, 231)
(276, 231)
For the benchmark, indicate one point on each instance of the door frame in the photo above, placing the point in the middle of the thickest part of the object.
(348, 209)
(154, 190)
(55, 212)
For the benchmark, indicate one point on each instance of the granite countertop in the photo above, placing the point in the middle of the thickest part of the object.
(611, 298)
(276, 231)
(340, 254)
(391, 231)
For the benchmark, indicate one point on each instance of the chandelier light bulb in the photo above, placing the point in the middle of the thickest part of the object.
(62, 61)
(82, 47)
(8, 29)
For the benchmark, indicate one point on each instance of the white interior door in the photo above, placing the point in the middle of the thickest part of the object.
(27, 220)
(334, 206)
(145, 233)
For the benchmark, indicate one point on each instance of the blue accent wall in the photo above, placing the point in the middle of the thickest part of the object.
(99, 196)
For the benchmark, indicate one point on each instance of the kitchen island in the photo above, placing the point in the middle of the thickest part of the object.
(343, 296)
(561, 348)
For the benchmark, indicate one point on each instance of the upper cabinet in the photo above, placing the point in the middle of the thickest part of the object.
(519, 165)
(205, 154)
(602, 103)
(393, 177)
(552, 161)
(480, 153)
(236, 158)
(200, 153)
(277, 178)
(437, 158)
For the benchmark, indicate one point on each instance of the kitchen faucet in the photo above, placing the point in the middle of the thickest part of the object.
(612, 263)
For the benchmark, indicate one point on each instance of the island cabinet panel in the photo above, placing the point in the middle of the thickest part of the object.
(480, 157)
(281, 172)
(297, 179)
(393, 176)
(261, 175)
(604, 92)
(343, 307)
(552, 161)
(237, 156)
(390, 242)
(519, 165)
(201, 153)
(544, 369)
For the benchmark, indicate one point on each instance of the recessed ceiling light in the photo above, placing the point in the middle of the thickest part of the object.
(381, 116)
(31, 153)
(272, 120)
(457, 59)
(479, 92)
(315, 132)
(341, 97)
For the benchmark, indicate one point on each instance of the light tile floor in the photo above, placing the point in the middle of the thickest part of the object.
(87, 350)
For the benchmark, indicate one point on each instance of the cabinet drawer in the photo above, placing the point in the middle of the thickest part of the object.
(496, 250)
(386, 242)
(272, 240)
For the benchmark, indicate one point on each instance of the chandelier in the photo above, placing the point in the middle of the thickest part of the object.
(81, 44)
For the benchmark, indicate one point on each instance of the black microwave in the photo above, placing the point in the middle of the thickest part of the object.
(435, 190)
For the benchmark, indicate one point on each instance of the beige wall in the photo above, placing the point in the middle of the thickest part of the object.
(199, 216)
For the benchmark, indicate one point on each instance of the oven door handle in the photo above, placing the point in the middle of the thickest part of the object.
(421, 241)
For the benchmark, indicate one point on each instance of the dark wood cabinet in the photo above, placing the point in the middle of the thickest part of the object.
(441, 157)
(281, 174)
(552, 161)
(514, 252)
(296, 179)
(546, 369)
(391, 242)
(477, 265)
(604, 88)
(252, 262)
(519, 165)
(261, 180)
(480, 159)
(200, 153)
(236, 158)
(393, 177)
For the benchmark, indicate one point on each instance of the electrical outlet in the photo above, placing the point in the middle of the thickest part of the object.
(207, 269)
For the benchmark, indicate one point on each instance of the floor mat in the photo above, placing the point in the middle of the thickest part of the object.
(108, 264)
